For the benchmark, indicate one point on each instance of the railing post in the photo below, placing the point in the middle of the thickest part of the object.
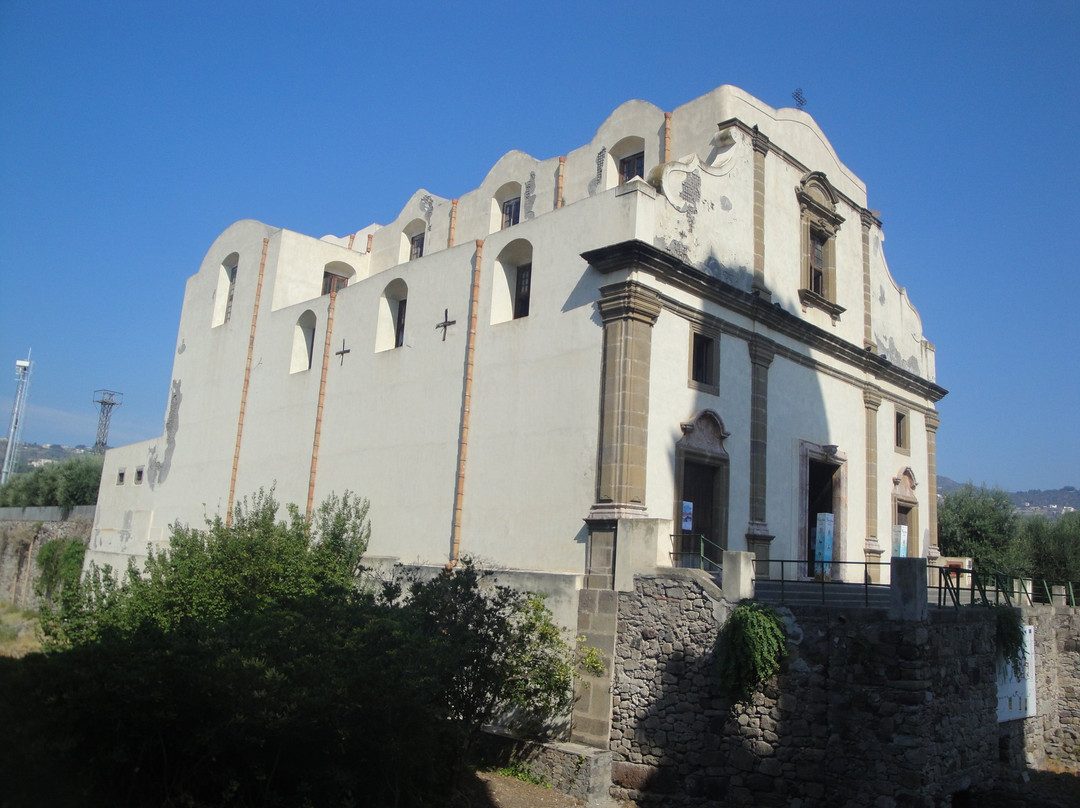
(907, 592)
(738, 575)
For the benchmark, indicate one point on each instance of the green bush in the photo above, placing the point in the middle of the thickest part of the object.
(750, 647)
(246, 666)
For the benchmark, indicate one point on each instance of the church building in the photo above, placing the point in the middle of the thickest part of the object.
(681, 337)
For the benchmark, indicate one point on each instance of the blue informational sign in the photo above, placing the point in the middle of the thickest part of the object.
(688, 516)
(899, 540)
(823, 548)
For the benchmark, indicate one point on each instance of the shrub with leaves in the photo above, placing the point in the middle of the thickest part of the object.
(245, 666)
(749, 647)
(1009, 638)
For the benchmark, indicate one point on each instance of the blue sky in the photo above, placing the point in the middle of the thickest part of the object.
(132, 134)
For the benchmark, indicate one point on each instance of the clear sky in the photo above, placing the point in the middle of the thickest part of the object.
(133, 133)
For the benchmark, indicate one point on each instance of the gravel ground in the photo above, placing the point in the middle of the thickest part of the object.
(1044, 790)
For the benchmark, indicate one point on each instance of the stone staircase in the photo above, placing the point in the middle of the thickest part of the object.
(833, 594)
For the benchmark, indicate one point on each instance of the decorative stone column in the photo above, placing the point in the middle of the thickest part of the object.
(872, 548)
(628, 310)
(868, 220)
(932, 424)
(761, 149)
(758, 537)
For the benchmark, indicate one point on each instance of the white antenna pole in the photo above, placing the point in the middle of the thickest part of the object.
(22, 393)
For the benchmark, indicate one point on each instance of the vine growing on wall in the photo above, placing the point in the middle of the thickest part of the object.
(1009, 638)
(750, 647)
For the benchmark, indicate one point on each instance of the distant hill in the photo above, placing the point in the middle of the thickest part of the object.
(32, 455)
(1036, 501)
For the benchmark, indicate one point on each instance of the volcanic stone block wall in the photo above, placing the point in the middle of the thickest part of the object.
(866, 710)
(1052, 737)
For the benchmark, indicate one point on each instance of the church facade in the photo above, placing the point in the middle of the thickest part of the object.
(681, 337)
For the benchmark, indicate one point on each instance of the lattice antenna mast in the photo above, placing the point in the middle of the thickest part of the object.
(106, 400)
(800, 99)
(22, 393)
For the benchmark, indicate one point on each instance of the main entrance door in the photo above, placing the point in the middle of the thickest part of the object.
(821, 495)
(701, 488)
(699, 483)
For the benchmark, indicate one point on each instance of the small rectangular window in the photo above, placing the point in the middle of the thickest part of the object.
(139, 475)
(333, 283)
(522, 291)
(120, 477)
(416, 247)
(399, 324)
(511, 211)
(902, 430)
(703, 364)
(632, 166)
(817, 263)
(230, 272)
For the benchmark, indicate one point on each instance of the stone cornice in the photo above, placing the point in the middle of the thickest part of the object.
(759, 139)
(871, 397)
(629, 300)
(635, 254)
(762, 350)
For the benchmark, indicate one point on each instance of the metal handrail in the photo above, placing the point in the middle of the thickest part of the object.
(825, 577)
(989, 587)
(703, 561)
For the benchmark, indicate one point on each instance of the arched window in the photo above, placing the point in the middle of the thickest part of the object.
(506, 206)
(336, 276)
(511, 289)
(303, 342)
(412, 240)
(390, 331)
(627, 160)
(226, 288)
(820, 224)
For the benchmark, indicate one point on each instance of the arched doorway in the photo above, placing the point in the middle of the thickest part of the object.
(701, 492)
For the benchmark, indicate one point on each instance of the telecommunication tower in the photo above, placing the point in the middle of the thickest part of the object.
(22, 392)
(106, 400)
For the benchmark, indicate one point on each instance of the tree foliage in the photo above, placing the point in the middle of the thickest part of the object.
(246, 665)
(64, 484)
(980, 523)
(983, 524)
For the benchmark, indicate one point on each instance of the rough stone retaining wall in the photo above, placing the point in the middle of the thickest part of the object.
(1052, 737)
(22, 533)
(581, 771)
(866, 711)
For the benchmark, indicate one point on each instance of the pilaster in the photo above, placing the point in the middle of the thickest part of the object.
(933, 421)
(761, 149)
(872, 548)
(868, 220)
(628, 311)
(758, 537)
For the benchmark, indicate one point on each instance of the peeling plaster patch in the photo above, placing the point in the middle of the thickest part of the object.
(530, 195)
(714, 267)
(594, 183)
(725, 203)
(691, 194)
(892, 353)
(182, 347)
(679, 249)
(881, 295)
(158, 470)
(427, 205)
